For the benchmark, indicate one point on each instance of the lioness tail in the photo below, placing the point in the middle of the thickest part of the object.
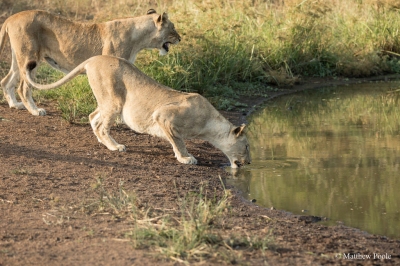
(75, 72)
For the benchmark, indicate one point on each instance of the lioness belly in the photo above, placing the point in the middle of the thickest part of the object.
(144, 125)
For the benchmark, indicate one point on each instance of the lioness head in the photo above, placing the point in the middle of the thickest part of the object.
(238, 148)
(167, 34)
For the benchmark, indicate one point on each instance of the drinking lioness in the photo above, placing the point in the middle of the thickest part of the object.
(148, 107)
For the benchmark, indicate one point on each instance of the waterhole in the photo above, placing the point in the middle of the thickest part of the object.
(333, 153)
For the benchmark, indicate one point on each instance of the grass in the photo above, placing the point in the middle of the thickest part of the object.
(362, 105)
(20, 171)
(192, 233)
(75, 99)
(230, 48)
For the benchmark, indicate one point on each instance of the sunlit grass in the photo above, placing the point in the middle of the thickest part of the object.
(359, 106)
(229, 46)
(245, 40)
(75, 99)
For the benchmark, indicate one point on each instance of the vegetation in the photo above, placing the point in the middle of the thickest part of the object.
(194, 232)
(231, 48)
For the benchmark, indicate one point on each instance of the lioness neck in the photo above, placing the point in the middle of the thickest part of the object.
(139, 30)
(218, 132)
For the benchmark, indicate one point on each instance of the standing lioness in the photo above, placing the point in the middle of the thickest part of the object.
(64, 44)
(149, 107)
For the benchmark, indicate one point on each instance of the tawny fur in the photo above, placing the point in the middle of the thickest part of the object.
(64, 44)
(149, 107)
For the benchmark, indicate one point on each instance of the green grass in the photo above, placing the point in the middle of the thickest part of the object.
(229, 48)
(20, 171)
(75, 99)
(193, 235)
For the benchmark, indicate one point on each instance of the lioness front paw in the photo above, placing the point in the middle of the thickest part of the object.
(121, 147)
(118, 147)
(187, 160)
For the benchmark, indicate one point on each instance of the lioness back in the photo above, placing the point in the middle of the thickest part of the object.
(62, 41)
(143, 99)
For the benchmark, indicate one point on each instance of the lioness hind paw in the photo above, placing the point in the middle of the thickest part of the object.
(39, 112)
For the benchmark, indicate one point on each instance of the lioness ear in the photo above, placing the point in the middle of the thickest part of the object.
(164, 16)
(161, 19)
(151, 11)
(239, 130)
(158, 21)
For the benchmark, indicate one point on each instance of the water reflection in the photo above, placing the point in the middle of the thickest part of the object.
(335, 153)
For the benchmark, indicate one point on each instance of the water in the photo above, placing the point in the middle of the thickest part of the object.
(333, 153)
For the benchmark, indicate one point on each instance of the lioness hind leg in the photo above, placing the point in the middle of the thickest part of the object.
(25, 93)
(94, 121)
(178, 145)
(9, 82)
(27, 50)
(101, 124)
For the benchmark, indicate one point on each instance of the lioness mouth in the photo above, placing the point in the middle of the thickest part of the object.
(166, 46)
(238, 164)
